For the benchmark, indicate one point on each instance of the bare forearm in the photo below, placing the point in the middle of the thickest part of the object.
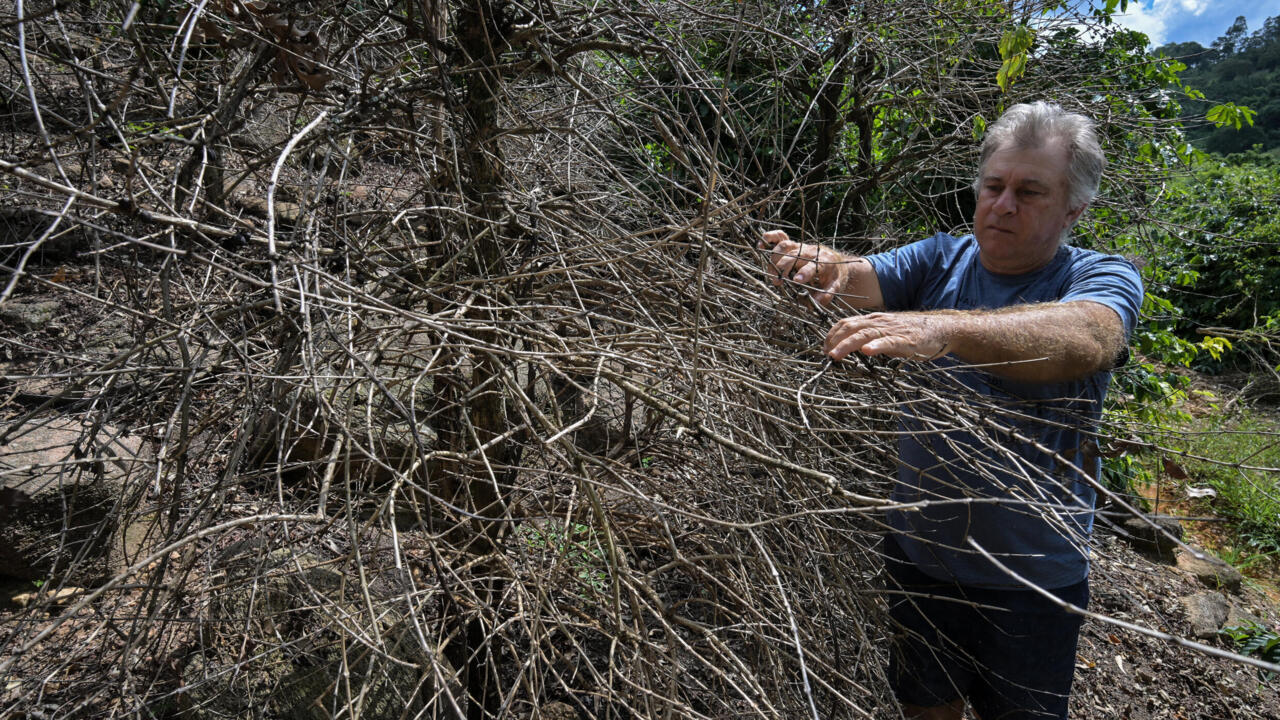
(1039, 343)
(1036, 343)
(861, 287)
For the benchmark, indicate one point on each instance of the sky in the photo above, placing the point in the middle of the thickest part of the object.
(1202, 21)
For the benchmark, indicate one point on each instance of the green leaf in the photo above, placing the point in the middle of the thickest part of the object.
(1215, 346)
(1236, 116)
(1014, 45)
(1016, 42)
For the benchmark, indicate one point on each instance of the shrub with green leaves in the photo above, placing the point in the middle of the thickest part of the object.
(1214, 258)
(1254, 640)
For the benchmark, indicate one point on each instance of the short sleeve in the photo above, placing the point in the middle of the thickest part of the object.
(904, 270)
(1108, 280)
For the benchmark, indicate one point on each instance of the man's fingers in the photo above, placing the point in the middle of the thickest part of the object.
(789, 261)
(800, 270)
(870, 335)
(801, 263)
(825, 295)
(772, 238)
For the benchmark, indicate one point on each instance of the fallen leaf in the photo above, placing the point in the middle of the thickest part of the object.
(58, 597)
(1174, 470)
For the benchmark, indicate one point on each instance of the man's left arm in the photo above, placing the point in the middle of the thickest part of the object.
(1048, 342)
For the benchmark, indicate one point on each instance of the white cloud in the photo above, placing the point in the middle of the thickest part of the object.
(1195, 7)
(1164, 21)
(1153, 21)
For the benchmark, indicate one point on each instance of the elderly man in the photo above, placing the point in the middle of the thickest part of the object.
(998, 500)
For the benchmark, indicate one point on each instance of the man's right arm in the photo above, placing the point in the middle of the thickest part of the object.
(832, 278)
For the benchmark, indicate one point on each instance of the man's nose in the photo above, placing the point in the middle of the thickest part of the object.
(1006, 203)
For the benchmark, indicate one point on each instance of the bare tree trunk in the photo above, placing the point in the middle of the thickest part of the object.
(482, 415)
(827, 99)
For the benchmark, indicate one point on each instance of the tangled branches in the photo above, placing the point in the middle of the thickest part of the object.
(449, 380)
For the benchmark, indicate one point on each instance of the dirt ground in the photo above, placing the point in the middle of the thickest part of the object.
(1121, 673)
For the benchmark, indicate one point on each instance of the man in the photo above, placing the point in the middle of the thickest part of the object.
(1033, 326)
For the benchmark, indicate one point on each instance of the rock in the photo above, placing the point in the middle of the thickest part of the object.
(1155, 534)
(1206, 611)
(61, 501)
(301, 617)
(287, 213)
(557, 711)
(376, 448)
(61, 596)
(267, 128)
(1210, 571)
(20, 227)
(108, 336)
(29, 315)
(1237, 615)
(399, 197)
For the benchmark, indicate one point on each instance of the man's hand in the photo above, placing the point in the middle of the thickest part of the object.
(824, 270)
(915, 336)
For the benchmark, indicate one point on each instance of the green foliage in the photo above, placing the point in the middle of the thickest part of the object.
(1214, 260)
(1230, 115)
(141, 128)
(1245, 558)
(1254, 640)
(1014, 46)
(574, 548)
(1249, 498)
(1142, 395)
(1124, 474)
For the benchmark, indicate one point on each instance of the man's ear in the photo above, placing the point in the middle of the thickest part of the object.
(1074, 215)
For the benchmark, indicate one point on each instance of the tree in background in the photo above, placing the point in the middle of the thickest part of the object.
(1241, 68)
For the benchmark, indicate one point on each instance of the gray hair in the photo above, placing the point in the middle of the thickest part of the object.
(1034, 125)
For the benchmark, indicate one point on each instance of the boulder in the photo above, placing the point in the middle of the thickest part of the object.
(61, 501)
(21, 227)
(557, 710)
(28, 315)
(1153, 534)
(306, 624)
(1207, 612)
(1210, 571)
(1239, 616)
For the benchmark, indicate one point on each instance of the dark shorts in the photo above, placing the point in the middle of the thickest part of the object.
(1010, 663)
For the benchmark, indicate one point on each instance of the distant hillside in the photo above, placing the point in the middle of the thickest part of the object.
(1239, 67)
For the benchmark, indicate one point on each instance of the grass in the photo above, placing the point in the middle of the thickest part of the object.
(1245, 474)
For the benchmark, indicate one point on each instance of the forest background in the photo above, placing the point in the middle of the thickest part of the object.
(414, 358)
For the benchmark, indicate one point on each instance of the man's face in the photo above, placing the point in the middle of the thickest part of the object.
(1022, 208)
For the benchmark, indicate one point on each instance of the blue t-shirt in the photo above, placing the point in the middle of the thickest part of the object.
(1029, 508)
